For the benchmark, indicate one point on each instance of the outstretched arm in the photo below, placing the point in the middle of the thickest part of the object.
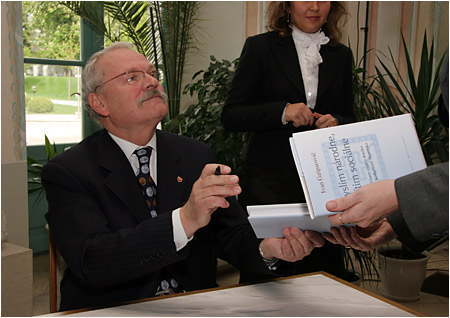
(365, 206)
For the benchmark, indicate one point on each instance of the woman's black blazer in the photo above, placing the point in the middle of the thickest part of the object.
(267, 78)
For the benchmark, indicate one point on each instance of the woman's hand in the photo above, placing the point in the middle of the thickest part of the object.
(299, 114)
(324, 121)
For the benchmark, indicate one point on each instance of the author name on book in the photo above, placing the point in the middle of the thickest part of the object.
(343, 160)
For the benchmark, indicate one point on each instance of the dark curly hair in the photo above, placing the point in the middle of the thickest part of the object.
(277, 19)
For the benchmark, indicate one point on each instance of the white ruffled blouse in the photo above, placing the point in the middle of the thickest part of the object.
(308, 47)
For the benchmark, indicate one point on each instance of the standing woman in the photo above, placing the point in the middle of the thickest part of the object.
(294, 78)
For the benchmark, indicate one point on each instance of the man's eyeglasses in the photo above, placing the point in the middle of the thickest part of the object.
(133, 78)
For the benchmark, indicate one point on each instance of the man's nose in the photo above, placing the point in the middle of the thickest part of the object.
(150, 81)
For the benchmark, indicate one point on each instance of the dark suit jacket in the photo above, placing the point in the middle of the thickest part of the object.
(267, 78)
(423, 200)
(114, 250)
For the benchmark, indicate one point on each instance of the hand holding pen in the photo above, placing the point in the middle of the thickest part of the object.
(208, 194)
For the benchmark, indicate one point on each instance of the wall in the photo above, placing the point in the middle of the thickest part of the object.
(220, 32)
(389, 20)
(225, 25)
(14, 166)
(353, 33)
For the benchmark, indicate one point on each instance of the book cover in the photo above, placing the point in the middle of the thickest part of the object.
(336, 161)
(270, 220)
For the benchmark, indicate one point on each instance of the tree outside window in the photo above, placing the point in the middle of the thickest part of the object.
(51, 35)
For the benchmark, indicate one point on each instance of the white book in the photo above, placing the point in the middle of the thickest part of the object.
(336, 161)
(270, 220)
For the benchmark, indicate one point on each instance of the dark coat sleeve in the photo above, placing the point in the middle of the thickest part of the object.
(245, 109)
(423, 201)
(342, 108)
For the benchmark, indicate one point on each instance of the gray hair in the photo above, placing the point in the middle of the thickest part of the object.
(92, 77)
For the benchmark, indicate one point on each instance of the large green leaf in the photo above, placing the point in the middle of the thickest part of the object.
(201, 121)
(35, 170)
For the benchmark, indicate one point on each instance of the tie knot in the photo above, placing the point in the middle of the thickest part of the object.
(143, 154)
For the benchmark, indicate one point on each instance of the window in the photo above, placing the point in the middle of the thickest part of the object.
(57, 44)
(53, 104)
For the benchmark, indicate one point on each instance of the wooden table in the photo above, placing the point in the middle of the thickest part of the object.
(315, 294)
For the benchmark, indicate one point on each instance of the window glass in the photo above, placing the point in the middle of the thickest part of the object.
(53, 103)
(52, 82)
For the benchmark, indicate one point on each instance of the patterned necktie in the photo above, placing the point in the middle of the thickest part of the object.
(144, 179)
(167, 285)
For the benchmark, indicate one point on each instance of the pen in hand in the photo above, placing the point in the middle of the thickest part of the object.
(217, 172)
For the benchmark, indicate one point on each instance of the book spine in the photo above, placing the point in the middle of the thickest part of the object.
(302, 178)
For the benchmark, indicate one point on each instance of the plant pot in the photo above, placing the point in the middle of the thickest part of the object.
(353, 277)
(402, 279)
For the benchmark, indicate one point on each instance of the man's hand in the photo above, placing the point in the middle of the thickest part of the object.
(299, 114)
(208, 194)
(363, 239)
(294, 246)
(365, 206)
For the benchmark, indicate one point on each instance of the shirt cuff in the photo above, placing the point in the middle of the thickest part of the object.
(179, 236)
(282, 115)
(337, 121)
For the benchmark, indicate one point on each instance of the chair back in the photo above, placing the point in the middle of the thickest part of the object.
(57, 268)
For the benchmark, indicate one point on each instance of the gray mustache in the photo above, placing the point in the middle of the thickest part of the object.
(149, 94)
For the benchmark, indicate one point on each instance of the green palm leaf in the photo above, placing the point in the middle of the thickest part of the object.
(35, 170)
(418, 97)
(162, 31)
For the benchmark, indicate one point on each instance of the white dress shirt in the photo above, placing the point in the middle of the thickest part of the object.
(179, 235)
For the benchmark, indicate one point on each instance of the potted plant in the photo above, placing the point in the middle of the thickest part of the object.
(35, 169)
(201, 120)
(402, 273)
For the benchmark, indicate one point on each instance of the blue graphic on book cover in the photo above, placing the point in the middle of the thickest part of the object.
(353, 162)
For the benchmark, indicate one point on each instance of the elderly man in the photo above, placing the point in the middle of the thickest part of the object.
(137, 212)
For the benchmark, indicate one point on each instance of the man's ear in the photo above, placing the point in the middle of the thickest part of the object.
(97, 104)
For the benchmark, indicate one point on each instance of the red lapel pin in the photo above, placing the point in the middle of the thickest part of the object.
(179, 179)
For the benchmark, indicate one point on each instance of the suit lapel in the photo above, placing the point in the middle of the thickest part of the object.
(171, 177)
(286, 56)
(121, 180)
(327, 69)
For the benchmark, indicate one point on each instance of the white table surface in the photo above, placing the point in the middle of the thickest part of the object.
(309, 295)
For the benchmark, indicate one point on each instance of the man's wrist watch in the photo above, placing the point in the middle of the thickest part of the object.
(272, 263)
